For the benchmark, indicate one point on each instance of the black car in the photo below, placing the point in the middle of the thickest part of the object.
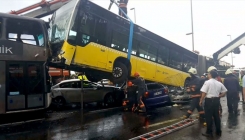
(156, 95)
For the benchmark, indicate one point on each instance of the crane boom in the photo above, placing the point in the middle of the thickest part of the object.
(45, 8)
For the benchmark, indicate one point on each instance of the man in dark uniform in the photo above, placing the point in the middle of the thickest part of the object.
(140, 83)
(194, 87)
(123, 6)
(232, 85)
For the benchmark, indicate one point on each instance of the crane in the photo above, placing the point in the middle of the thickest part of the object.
(45, 8)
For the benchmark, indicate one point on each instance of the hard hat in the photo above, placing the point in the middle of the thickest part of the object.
(229, 71)
(192, 71)
(136, 74)
(211, 68)
(130, 83)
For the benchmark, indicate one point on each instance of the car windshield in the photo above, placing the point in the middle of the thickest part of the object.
(60, 22)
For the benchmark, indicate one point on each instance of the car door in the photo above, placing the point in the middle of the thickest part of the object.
(90, 91)
(70, 91)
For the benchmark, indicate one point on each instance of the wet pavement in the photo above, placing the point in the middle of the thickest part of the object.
(114, 124)
(233, 127)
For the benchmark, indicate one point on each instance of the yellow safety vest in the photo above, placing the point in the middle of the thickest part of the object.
(82, 77)
(240, 81)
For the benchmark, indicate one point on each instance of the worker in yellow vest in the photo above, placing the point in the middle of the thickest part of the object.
(84, 78)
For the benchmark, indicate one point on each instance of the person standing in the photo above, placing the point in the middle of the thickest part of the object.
(141, 88)
(212, 90)
(232, 85)
(218, 78)
(193, 88)
(243, 87)
(241, 83)
(123, 6)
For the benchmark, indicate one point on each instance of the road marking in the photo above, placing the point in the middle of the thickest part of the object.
(168, 121)
(104, 110)
(21, 122)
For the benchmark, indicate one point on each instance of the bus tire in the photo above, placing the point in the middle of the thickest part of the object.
(119, 73)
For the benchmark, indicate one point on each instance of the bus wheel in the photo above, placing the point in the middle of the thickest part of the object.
(119, 73)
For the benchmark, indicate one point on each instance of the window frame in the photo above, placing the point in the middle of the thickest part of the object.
(18, 30)
(155, 85)
(170, 58)
(158, 55)
(1, 27)
(186, 57)
(92, 33)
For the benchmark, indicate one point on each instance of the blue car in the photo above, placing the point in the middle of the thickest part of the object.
(156, 95)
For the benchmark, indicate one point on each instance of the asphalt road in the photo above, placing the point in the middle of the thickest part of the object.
(117, 125)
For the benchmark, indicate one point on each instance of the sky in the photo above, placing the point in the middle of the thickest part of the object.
(213, 20)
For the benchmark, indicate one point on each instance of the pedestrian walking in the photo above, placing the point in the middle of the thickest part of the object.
(232, 85)
(211, 92)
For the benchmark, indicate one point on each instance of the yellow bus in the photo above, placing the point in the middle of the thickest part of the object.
(86, 37)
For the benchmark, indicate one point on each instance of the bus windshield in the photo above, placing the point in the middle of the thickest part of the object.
(60, 22)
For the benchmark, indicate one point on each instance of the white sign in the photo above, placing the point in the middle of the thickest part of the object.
(158, 93)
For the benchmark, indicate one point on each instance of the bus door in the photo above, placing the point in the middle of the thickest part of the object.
(24, 86)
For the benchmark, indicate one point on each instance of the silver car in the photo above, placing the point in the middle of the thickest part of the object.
(69, 91)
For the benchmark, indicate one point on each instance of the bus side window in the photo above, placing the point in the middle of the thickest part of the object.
(94, 30)
(188, 62)
(119, 41)
(148, 52)
(175, 60)
(163, 55)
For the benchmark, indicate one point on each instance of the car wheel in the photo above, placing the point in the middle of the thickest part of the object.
(109, 100)
(59, 102)
(119, 73)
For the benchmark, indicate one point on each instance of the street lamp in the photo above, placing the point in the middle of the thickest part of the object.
(192, 31)
(231, 52)
(134, 14)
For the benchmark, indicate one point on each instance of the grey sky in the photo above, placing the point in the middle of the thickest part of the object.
(171, 19)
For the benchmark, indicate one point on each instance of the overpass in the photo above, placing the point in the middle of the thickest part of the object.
(233, 46)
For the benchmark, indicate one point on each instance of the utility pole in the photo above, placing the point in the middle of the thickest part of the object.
(134, 14)
(192, 28)
(231, 52)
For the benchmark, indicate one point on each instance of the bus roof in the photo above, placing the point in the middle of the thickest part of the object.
(106, 14)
